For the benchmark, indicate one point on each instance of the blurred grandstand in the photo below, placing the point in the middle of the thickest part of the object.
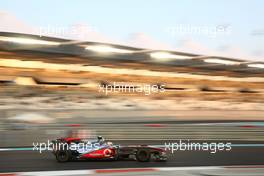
(55, 73)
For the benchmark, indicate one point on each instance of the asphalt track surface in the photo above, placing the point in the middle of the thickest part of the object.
(21, 161)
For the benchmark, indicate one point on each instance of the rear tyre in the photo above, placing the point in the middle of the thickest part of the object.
(143, 155)
(63, 156)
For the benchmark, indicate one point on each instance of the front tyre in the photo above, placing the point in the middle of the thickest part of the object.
(63, 156)
(143, 155)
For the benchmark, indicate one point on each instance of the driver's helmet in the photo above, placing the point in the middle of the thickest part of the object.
(100, 139)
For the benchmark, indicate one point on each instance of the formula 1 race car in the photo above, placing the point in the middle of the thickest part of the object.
(67, 149)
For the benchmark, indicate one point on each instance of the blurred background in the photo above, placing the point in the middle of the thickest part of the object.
(54, 83)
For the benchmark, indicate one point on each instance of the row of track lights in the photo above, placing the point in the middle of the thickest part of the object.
(160, 56)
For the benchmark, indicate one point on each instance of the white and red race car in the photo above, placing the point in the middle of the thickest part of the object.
(67, 149)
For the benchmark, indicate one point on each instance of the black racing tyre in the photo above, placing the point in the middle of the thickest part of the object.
(143, 155)
(63, 156)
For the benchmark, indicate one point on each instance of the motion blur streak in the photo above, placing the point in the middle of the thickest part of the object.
(98, 69)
